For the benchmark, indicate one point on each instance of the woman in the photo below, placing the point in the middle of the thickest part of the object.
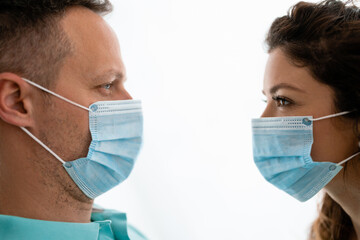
(308, 136)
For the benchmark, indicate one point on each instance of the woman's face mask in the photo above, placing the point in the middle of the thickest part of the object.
(282, 148)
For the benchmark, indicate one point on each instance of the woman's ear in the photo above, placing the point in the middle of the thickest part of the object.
(15, 102)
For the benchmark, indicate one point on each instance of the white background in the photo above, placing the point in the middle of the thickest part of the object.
(198, 67)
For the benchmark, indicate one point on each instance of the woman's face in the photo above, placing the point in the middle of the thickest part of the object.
(292, 91)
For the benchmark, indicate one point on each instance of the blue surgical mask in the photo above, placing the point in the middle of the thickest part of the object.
(281, 149)
(116, 129)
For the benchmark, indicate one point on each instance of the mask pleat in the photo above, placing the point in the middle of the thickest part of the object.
(117, 126)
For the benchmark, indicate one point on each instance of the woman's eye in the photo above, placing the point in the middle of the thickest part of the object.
(281, 101)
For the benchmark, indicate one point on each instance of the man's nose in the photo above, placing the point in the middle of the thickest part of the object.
(126, 96)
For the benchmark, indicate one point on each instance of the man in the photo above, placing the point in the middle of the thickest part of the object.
(56, 153)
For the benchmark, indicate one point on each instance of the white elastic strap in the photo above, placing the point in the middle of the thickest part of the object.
(42, 144)
(330, 116)
(55, 94)
(344, 161)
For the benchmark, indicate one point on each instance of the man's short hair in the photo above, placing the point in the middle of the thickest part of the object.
(32, 42)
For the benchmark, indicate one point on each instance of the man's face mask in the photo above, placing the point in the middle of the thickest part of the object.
(116, 129)
(281, 149)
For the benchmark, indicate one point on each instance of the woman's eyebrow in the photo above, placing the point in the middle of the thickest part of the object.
(276, 88)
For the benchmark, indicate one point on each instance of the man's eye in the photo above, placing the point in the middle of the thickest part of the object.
(281, 101)
(107, 86)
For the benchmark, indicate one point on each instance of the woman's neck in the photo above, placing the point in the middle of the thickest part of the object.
(344, 189)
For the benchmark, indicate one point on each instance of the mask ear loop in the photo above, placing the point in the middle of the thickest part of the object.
(308, 121)
(42, 144)
(331, 116)
(349, 158)
(56, 95)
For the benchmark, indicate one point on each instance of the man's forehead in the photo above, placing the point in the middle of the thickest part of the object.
(87, 30)
(96, 51)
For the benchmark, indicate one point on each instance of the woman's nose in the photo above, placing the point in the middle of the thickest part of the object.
(267, 112)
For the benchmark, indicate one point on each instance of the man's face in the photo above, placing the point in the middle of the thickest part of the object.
(93, 72)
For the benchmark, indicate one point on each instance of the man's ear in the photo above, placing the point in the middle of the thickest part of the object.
(15, 102)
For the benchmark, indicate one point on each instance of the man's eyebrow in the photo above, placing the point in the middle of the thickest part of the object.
(275, 88)
(111, 74)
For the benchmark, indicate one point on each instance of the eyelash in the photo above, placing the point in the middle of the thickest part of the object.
(111, 84)
(280, 101)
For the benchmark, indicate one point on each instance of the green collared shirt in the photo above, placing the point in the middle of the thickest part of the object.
(105, 225)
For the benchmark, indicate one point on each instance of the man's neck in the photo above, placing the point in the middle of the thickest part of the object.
(50, 196)
(60, 210)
